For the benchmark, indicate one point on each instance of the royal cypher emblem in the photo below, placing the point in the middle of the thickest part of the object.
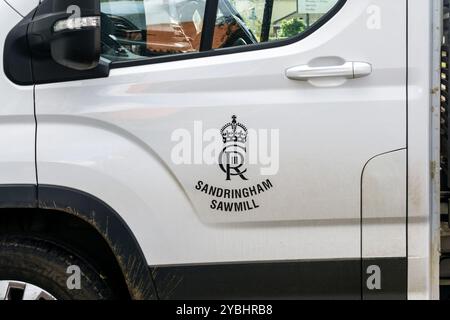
(232, 160)
(232, 157)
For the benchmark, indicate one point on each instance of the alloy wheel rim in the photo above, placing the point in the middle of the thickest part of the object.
(19, 290)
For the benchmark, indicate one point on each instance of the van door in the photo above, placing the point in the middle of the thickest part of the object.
(232, 136)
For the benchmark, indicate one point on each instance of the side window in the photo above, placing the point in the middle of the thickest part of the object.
(244, 22)
(136, 29)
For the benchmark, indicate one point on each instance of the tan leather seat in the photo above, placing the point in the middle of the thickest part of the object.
(178, 36)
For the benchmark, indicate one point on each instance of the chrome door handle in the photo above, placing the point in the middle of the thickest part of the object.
(349, 70)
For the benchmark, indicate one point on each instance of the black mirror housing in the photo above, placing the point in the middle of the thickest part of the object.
(78, 50)
(62, 41)
(60, 29)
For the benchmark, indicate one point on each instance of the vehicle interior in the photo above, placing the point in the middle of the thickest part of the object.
(174, 27)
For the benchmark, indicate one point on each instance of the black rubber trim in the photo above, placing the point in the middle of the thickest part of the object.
(113, 229)
(18, 196)
(251, 47)
(394, 280)
(309, 280)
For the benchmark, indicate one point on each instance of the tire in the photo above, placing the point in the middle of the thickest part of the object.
(44, 264)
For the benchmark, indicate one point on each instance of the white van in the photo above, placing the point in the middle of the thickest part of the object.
(224, 149)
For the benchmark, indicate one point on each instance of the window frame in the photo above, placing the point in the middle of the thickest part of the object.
(232, 50)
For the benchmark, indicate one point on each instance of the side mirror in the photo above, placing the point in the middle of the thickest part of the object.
(58, 41)
(67, 31)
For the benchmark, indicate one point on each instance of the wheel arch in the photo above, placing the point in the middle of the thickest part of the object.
(98, 215)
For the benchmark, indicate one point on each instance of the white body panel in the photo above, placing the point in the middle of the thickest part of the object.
(23, 7)
(112, 138)
(17, 123)
(384, 206)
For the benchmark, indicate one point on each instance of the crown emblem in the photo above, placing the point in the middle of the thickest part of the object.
(234, 132)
